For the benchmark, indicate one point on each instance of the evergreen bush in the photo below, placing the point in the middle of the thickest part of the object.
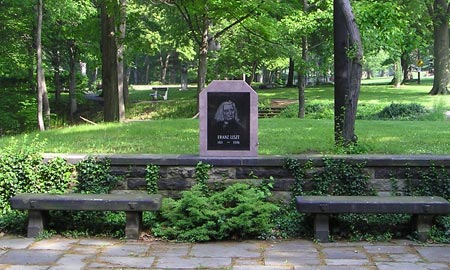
(240, 211)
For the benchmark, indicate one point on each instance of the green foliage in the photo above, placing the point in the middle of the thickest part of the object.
(94, 176)
(171, 109)
(17, 110)
(238, 212)
(399, 111)
(434, 181)
(372, 227)
(339, 177)
(151, 178)
(299, 173)
(22, 170)
(313, 110)
(287, 221)
(441, 231)
(201, 176)
(394, 111)
(343, 178)
(87, 223)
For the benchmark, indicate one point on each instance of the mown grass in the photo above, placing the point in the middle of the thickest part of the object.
(276, 137)
(174, 132)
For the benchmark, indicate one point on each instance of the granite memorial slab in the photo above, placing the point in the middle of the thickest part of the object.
(228, 119)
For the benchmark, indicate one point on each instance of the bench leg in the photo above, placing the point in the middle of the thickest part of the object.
(321, 227)
(37, 220)
(423, 225)
(133, 225)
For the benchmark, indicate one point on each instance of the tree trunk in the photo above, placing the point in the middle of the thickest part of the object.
(341, 71)
(252, 76)
(72, 79)
(348, 72)
(56, 62)
(203, 59)
(109, 62)
(404, 61)
(290, 79)
(398, 75)
(147, 70)
(302, 79)
(164, 63)
(440, 16)
(121, 81)
(41, 86)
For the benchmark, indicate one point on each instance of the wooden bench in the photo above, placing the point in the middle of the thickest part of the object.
(422, 208)
(38, 206)
(160, 92)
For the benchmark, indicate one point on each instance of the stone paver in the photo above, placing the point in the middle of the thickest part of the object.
(299, 254)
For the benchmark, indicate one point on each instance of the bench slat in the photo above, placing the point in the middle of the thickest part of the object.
(88, 202)
(373, 204)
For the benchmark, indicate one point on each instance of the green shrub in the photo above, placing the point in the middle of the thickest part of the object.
(17, 110)
(434, 181)
(314, 110)
(94, 176)
(402, 111)
(340, 177)
(22, 170)
(240, 211)
(151, 178)
(441, 231)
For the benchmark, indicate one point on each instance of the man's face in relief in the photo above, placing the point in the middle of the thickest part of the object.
(228, 112)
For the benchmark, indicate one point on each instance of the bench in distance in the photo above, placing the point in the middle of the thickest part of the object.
(422, 208)
(160, 92)
(38, 206)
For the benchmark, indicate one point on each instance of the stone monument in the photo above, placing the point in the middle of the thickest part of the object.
(228, 120)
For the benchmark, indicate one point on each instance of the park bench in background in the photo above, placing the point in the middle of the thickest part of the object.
(423, 209)
(38, 206)
(160, 93)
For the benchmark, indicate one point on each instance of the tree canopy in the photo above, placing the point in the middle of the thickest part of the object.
(261, 41)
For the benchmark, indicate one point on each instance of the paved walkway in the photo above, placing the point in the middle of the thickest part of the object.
(93, 253)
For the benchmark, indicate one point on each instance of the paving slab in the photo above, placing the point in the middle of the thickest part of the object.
(344, 253)
(411, 266)
(298, 254)
(30, 257)
(123, 262)
(123, 250)
(54, 244)
(227, 249)
(435, 253)
(192, 263)
(71, 262)
(15, 243)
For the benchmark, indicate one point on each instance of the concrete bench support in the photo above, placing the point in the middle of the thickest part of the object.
(423, 210)
(38, 206)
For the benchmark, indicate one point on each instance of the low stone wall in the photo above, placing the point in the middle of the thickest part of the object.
(178, 171)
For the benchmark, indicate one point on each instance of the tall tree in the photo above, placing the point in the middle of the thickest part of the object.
(440, 13)
(348, 54)
(43, 110)
(122, 85)
(302, 73)
(201, 16)
(109, 60)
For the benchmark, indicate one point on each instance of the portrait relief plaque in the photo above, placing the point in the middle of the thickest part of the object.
(228, 119)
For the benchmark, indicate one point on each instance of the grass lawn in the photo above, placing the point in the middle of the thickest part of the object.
(277, 136)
